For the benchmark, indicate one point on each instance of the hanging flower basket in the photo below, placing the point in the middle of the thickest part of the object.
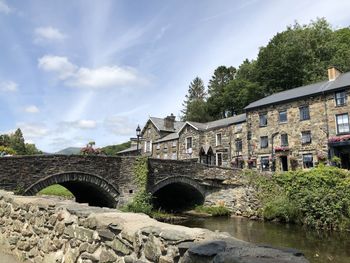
(342, 138)
(281, 148)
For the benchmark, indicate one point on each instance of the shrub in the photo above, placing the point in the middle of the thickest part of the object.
(141, 203)
(319, 197)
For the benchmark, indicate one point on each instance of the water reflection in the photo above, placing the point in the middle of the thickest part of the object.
(319, 247)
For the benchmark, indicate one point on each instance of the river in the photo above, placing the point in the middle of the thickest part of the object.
(318, 247)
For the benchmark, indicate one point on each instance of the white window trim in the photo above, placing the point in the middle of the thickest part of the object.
(217, 159)
(216, 139)
(187, 149)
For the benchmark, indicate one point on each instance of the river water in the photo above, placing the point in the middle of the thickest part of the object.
(318, 247)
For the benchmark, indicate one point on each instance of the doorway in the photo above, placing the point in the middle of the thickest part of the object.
(284, 163)
(345, 164)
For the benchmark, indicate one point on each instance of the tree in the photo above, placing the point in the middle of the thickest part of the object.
(196, 92)
(197, 111)
(17, 142)
(301, 55)
(222, 76)
(5, 140)
(31, 149)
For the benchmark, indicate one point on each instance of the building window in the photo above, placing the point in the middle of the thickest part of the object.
(165, 156)
(149, 131)
(284, 140)
(218, 139)
(263, 119)
(148, 146)
(166, 146)
(158, 156)
(174, 143)
(283, 116)
(158, 146)
(308, 161)
(340, 98)
(173, 156)
(189, 143)
(306, 137)
(265, 163)
(239, 146)
(343, 123)
(238, 127)
(304, 113)
(219, 159)
(264, 142)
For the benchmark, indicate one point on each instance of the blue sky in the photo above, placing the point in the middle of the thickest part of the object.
(76, 71)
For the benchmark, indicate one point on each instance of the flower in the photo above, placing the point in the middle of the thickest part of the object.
(339, 138)
(281, 148)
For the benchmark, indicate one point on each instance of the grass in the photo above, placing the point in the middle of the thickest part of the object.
(56, 190)
(213, 210)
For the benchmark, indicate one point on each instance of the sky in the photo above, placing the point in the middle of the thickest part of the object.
(91, 70)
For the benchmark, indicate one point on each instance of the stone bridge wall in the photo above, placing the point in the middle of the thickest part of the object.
(46, 230)
(20, 172)
(222, 185)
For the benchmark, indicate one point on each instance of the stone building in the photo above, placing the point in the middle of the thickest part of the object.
(301, 127)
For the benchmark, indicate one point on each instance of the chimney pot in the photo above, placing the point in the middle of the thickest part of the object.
(333, 73)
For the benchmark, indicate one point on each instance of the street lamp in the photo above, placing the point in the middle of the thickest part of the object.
(273, 168)
(138, 134)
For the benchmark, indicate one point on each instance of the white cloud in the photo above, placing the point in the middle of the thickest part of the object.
(9, 86)
(4, 8)
(80, 124)
(60, 65)
(102, 77)
(120, 125)
(48, 34)
(32, 109)
(33, 130)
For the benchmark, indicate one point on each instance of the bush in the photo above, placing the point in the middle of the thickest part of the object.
(141, 203)
(213, 210)
(319, 197)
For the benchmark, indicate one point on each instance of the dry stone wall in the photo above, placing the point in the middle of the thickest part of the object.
(48, 230)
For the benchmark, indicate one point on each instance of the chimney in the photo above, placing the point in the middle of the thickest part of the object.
(169, 122)
(333, 73)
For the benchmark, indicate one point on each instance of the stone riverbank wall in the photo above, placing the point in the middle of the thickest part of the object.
(48, 230)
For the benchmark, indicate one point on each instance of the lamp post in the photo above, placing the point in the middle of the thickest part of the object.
(138, 134)
(273, 168)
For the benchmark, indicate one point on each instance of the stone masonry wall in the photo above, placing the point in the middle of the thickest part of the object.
(46, 231)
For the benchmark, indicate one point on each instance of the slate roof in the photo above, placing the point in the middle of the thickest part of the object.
(219, 123)
(159, 123)
(343, 80)
(130, 149)
(169, 137)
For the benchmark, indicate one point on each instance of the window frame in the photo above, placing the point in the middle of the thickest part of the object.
(217, 159)
(191, 140)
(301, 116)
(337, 124)
(279, 116)
(265, 169)
(303, 133)
(264, 114)
(336, 99)
(238, 127)
(267, 142)
(218, 142)
(286, 136)
(312, 161)
(239, 142)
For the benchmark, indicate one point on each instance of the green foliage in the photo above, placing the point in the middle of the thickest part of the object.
(6, 150)
(336, 160)
(15, 145)
(297, 56)
(194, 105)
(318, 198)
(56, 190)
(219, 210)
(112, 150)
(141, 203)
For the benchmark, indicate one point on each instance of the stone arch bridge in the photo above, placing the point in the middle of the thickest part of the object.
(111, 182)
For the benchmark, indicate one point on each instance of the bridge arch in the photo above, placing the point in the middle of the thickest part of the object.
(177, 193)
(87, 188)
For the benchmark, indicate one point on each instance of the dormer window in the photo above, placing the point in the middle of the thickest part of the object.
(340, 98)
